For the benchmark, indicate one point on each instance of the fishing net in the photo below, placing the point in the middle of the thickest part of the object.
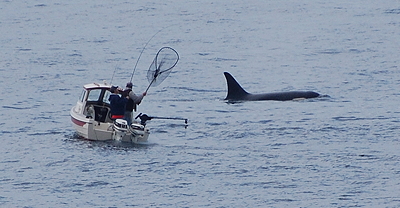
(162, 65)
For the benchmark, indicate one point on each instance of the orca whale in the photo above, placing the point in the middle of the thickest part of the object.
(237, 93)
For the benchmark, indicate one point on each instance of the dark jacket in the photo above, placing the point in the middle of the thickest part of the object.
(117, 104)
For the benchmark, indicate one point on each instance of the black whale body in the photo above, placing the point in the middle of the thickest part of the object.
(237, 93)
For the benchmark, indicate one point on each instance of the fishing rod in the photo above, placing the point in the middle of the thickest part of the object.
(137, 61)
(113, 75)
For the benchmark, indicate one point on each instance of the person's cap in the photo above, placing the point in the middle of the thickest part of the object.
(113, 88)
(129, 84)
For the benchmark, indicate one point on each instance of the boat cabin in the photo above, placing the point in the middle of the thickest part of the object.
(93, 102)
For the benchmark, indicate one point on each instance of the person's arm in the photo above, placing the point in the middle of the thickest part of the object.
(137, 99)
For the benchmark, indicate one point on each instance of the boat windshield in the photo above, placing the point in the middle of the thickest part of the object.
(94, 95)
(82, 97)
(97, 95)
(106, 96)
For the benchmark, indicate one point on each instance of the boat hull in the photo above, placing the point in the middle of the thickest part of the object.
(90, 129)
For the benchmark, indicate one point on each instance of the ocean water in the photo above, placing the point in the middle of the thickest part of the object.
(339, 150)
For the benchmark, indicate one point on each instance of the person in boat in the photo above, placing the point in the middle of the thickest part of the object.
(133, 101)
(117, 103)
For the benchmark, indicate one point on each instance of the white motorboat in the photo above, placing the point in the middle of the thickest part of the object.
(91, 118)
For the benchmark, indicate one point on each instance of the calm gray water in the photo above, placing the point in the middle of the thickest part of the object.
(341, 150)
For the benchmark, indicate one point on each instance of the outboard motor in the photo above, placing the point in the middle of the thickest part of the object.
(136, 129)
(139, 132)
(120, 129)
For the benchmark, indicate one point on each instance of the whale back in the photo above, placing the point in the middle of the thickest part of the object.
(237, 93)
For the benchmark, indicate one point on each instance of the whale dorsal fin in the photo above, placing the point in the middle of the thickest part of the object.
(235, 91)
